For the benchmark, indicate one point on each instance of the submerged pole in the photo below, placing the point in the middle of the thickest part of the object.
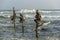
(36, 31)
(22, 28)
(14, 17)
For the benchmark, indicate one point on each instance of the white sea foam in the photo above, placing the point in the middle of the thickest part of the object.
(46, 11)
(46, 16)
(1, 12)
(46, 23)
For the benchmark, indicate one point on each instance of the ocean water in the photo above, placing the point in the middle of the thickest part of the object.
(52, 26)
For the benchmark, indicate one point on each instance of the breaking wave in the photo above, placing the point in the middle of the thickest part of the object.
(29, 16)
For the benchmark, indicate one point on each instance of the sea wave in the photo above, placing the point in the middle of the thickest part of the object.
(7, 14)
(4, 12)
(29, 16)
(4, 16)
(43, 16)
(46, 16)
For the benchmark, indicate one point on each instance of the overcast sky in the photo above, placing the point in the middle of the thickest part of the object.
(30, 4)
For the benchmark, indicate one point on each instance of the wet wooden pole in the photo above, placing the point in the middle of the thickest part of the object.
(14, 17)
(22, 28)
(36, 31)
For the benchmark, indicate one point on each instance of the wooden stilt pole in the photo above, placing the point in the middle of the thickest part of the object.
(22, 28)
(36, 31)
(14, 25)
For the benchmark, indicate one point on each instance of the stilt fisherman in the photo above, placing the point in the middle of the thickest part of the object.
(14, 15)
(37, 17)
(37, 21)
(21, 18)
(22, 21)
(13, 18)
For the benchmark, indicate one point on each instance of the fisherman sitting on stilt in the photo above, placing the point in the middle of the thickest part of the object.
(21, 18)
(37, 21)
(37, 17)
(14, 15)
(21, 21)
